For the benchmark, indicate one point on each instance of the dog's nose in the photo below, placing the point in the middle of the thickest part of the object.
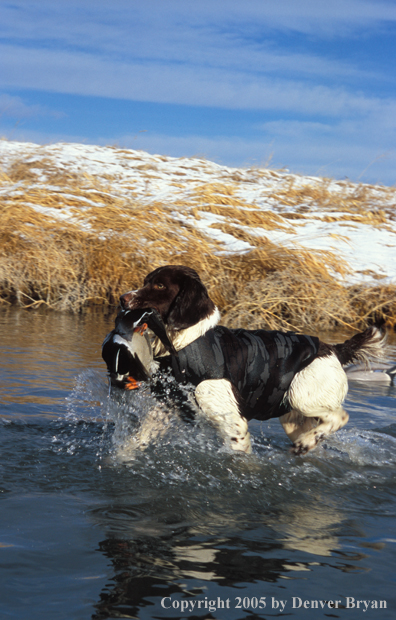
(126, 300)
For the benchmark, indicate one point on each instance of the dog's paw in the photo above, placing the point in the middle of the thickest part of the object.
(298, 450)
(307, 442)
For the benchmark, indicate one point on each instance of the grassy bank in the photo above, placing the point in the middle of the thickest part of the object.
(70, 240)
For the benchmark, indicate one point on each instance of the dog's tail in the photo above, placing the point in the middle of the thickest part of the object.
(362, 347)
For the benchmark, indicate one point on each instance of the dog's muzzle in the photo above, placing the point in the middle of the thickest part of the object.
(127, 300)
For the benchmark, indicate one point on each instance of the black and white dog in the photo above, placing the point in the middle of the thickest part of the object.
(239, 374)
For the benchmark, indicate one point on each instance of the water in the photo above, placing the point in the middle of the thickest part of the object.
(185, 529)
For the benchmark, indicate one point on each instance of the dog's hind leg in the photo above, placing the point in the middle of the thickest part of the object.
(217, 401)
(329, 422)
(295, 424)
(316, 395)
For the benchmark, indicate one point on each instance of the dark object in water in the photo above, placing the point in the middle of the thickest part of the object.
(127, 349)
(381, 374)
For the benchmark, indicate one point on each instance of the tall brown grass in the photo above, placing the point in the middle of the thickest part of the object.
(60, 250)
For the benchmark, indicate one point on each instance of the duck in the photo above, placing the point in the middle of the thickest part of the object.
(127, 349)
(381, 374)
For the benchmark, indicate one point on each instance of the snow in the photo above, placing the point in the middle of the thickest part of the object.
(367, 246)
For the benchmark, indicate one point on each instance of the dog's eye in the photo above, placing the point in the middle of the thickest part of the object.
(159, 286)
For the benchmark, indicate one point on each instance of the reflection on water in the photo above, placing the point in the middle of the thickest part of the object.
(85, 536)
(41, 354)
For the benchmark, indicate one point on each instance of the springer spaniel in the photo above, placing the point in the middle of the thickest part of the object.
(239, 374)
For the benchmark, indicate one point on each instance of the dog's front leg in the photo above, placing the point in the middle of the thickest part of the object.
(152, 428)
(217, 401)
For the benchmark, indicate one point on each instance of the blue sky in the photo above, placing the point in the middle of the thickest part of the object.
(308, 85)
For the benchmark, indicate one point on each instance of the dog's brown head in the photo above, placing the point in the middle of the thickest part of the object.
(176, 292)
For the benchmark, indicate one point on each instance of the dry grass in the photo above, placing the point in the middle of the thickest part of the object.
(105, 244)
(359, 202)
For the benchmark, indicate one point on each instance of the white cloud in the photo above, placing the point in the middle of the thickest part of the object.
(14, 107)
(226, 54)
(227, 34)
(83, 22)
(84, 74)
(212, 54)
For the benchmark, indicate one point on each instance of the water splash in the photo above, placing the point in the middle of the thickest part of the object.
(182, 454)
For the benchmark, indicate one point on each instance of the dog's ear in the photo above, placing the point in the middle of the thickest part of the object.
(191, 305)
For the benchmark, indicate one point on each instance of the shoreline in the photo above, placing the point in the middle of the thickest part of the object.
(79, 225)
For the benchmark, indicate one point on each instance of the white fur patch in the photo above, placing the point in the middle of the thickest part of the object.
(217, 401)
(183, 337)
(319, 388)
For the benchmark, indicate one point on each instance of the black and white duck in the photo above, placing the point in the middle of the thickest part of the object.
(127, 349)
